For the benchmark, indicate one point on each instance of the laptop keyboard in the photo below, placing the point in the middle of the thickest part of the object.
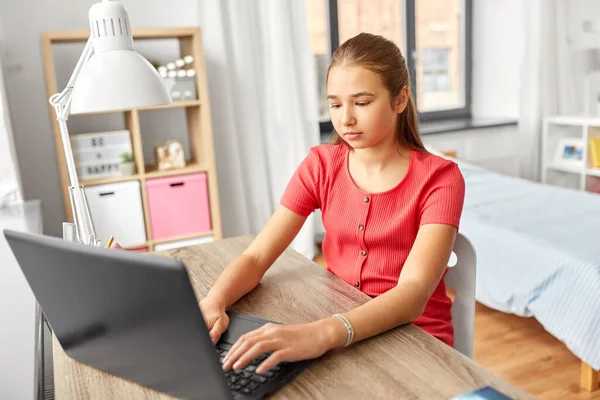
(246, 380)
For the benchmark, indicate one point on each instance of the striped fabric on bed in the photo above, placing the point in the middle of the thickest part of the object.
(538, 254)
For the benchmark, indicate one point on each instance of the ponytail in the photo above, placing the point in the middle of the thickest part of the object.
(407, 127)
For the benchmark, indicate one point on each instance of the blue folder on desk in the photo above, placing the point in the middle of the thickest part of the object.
(484, 393)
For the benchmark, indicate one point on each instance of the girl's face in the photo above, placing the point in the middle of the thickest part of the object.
(360, 107)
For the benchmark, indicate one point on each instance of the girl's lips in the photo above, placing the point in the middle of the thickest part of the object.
(352, 135)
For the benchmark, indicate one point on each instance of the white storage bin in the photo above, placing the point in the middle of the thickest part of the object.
(116, 209)
(182, 243)
(100, 139)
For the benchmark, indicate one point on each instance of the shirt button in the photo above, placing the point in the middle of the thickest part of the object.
(357, 283)
(366, 199)
(361, 227)
(363, 252)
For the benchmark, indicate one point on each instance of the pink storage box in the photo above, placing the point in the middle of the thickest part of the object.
(178, 205)
(140, 250)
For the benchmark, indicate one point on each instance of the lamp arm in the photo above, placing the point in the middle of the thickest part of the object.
(84, 225)
(57, 99)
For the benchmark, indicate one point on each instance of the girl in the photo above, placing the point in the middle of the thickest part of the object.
(390, 209)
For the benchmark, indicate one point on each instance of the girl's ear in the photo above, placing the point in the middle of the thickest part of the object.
(402, 100)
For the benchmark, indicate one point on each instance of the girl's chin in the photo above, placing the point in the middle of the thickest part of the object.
(363, 142)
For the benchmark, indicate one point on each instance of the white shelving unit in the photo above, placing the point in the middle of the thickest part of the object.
(580, 176)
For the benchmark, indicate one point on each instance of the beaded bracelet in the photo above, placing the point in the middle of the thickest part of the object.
(349, 328)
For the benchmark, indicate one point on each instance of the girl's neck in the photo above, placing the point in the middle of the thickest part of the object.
(376, 158)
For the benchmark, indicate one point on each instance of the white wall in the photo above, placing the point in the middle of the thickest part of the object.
(23, 22)
(491, 148)
(10, 183)
(497, 47)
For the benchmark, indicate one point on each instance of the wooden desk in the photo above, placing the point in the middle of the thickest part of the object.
(405, 363)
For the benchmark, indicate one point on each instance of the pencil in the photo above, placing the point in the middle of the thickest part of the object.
(109, 243)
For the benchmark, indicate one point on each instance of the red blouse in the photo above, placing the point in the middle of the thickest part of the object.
(369, 235)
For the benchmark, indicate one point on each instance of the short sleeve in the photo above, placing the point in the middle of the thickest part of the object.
(302, 192)
(443, 196)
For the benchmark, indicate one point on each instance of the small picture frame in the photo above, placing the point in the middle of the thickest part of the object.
(569, 152)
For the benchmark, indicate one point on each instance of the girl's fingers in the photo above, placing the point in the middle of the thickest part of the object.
(235, 352)
(259, 348)
(245, 342)
(217, 330)
(242, 345)
(274, 359)
(242, 340)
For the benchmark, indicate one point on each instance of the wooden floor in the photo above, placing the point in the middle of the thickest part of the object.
(521, 352)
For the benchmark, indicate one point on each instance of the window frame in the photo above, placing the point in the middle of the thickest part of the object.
(326, 127)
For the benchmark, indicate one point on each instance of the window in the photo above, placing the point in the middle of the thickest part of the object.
(381, 17)
(434, 39)
(439, 63)
(434, 71)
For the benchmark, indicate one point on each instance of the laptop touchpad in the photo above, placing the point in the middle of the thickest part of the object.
(237, 327)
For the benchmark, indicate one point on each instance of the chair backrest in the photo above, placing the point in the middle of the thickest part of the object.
(461, 277)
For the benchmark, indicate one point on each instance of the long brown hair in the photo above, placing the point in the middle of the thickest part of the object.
(383, 57)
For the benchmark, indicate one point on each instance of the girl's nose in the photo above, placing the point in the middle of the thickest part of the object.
(348, 118)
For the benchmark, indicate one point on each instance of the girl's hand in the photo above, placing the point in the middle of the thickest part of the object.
(215, 317)
(286, 343)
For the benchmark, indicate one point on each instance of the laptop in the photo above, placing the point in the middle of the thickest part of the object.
(136, 316)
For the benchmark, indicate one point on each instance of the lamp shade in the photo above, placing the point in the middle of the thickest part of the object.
(116, 80)
(115, 77)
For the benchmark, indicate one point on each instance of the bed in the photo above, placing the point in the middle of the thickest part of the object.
(538, 255)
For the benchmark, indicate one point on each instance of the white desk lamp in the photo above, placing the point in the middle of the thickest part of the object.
(110, 75)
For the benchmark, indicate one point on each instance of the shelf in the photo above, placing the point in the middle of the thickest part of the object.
(575, 170)
(83, 35)
(136, 247)
(111, 179)
(593, 172)
(169, 240)
(152, 171)
(566, 168)
(179, 238)
(175, 104)
(577, 120)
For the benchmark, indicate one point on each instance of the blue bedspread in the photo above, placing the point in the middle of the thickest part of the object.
(538, 254)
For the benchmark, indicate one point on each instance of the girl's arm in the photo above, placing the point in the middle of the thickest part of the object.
(245, 272)
(420, 275)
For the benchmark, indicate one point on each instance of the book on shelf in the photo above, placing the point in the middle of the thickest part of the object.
(594, 150)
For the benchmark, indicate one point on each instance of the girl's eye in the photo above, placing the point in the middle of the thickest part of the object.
(334, 106)
(363, 103)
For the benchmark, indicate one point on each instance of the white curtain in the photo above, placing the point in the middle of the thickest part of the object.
(10, 187)
(558, 57)
(263, 99)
